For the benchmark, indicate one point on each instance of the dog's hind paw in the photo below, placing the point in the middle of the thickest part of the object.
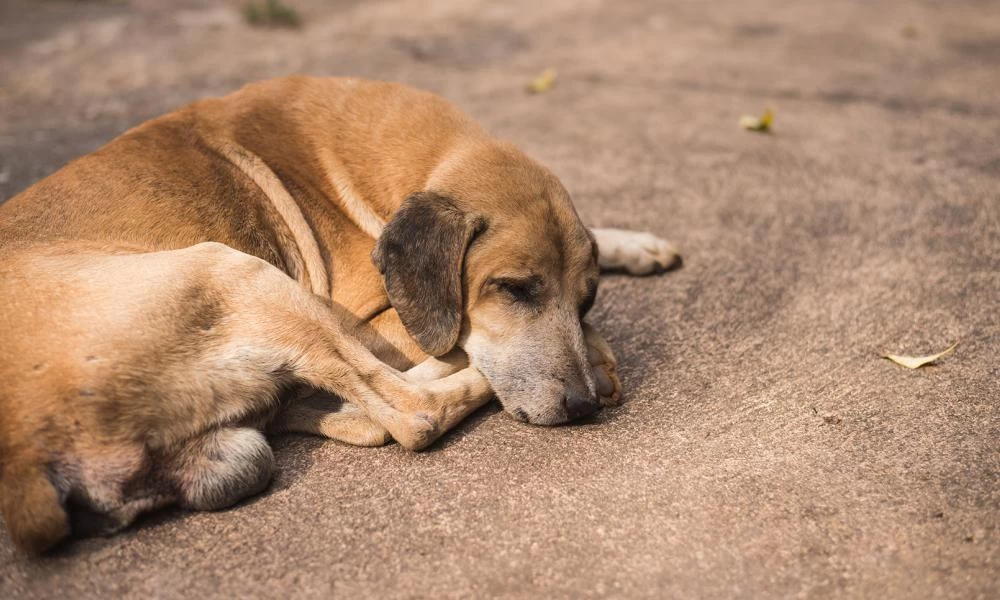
(414, 431)
(635, 252)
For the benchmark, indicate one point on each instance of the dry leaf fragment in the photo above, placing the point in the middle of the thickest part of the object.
(271, 13)
(832, 420)
(543, 82)
(763, 123)
(915, 362)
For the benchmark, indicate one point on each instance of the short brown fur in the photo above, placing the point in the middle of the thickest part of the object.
(163, 295)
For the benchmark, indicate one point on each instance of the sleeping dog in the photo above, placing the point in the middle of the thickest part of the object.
(166, 299)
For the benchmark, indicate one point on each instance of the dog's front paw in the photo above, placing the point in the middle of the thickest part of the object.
(602, 361)
(636, 252)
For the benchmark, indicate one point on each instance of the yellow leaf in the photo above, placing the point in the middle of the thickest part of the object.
(762, 123)
(543, 82)
(915, 362)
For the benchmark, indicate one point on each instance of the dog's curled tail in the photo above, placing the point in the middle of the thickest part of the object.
(31, 507)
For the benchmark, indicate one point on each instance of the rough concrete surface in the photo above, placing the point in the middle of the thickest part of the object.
(765, 449)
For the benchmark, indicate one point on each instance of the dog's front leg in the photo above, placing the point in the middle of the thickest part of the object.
(306, 339)
(278, 333)
(348, 423)
(602, 361)
(635, 252)
(414, 414)
(436, 368)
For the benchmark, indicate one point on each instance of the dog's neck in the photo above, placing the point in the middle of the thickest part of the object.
(346, 196)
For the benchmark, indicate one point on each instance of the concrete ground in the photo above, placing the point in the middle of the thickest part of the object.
(766, 450)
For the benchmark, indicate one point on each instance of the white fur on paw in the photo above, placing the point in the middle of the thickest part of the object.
(637, 252)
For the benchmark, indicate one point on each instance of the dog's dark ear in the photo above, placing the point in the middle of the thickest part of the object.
(420, 255)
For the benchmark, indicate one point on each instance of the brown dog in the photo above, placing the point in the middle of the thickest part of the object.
(161, 296)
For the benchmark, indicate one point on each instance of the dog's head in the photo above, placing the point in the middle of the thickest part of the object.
(494, 259)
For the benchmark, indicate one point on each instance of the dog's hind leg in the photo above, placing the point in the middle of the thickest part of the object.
(344, 422)
(323, 414)
(635, 252)
(220, 467)
(279, 333)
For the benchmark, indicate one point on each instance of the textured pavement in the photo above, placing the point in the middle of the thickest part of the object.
(765, 450)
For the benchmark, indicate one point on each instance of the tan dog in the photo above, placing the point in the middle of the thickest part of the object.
(160, 297)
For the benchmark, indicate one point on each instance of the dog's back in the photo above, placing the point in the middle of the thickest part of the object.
(158, 186)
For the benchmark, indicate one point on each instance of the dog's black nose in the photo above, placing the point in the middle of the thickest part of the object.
(579, 406)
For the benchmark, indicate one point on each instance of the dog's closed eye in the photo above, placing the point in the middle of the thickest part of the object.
(522, 291)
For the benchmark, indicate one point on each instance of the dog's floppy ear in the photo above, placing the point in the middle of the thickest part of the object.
(420, 255)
